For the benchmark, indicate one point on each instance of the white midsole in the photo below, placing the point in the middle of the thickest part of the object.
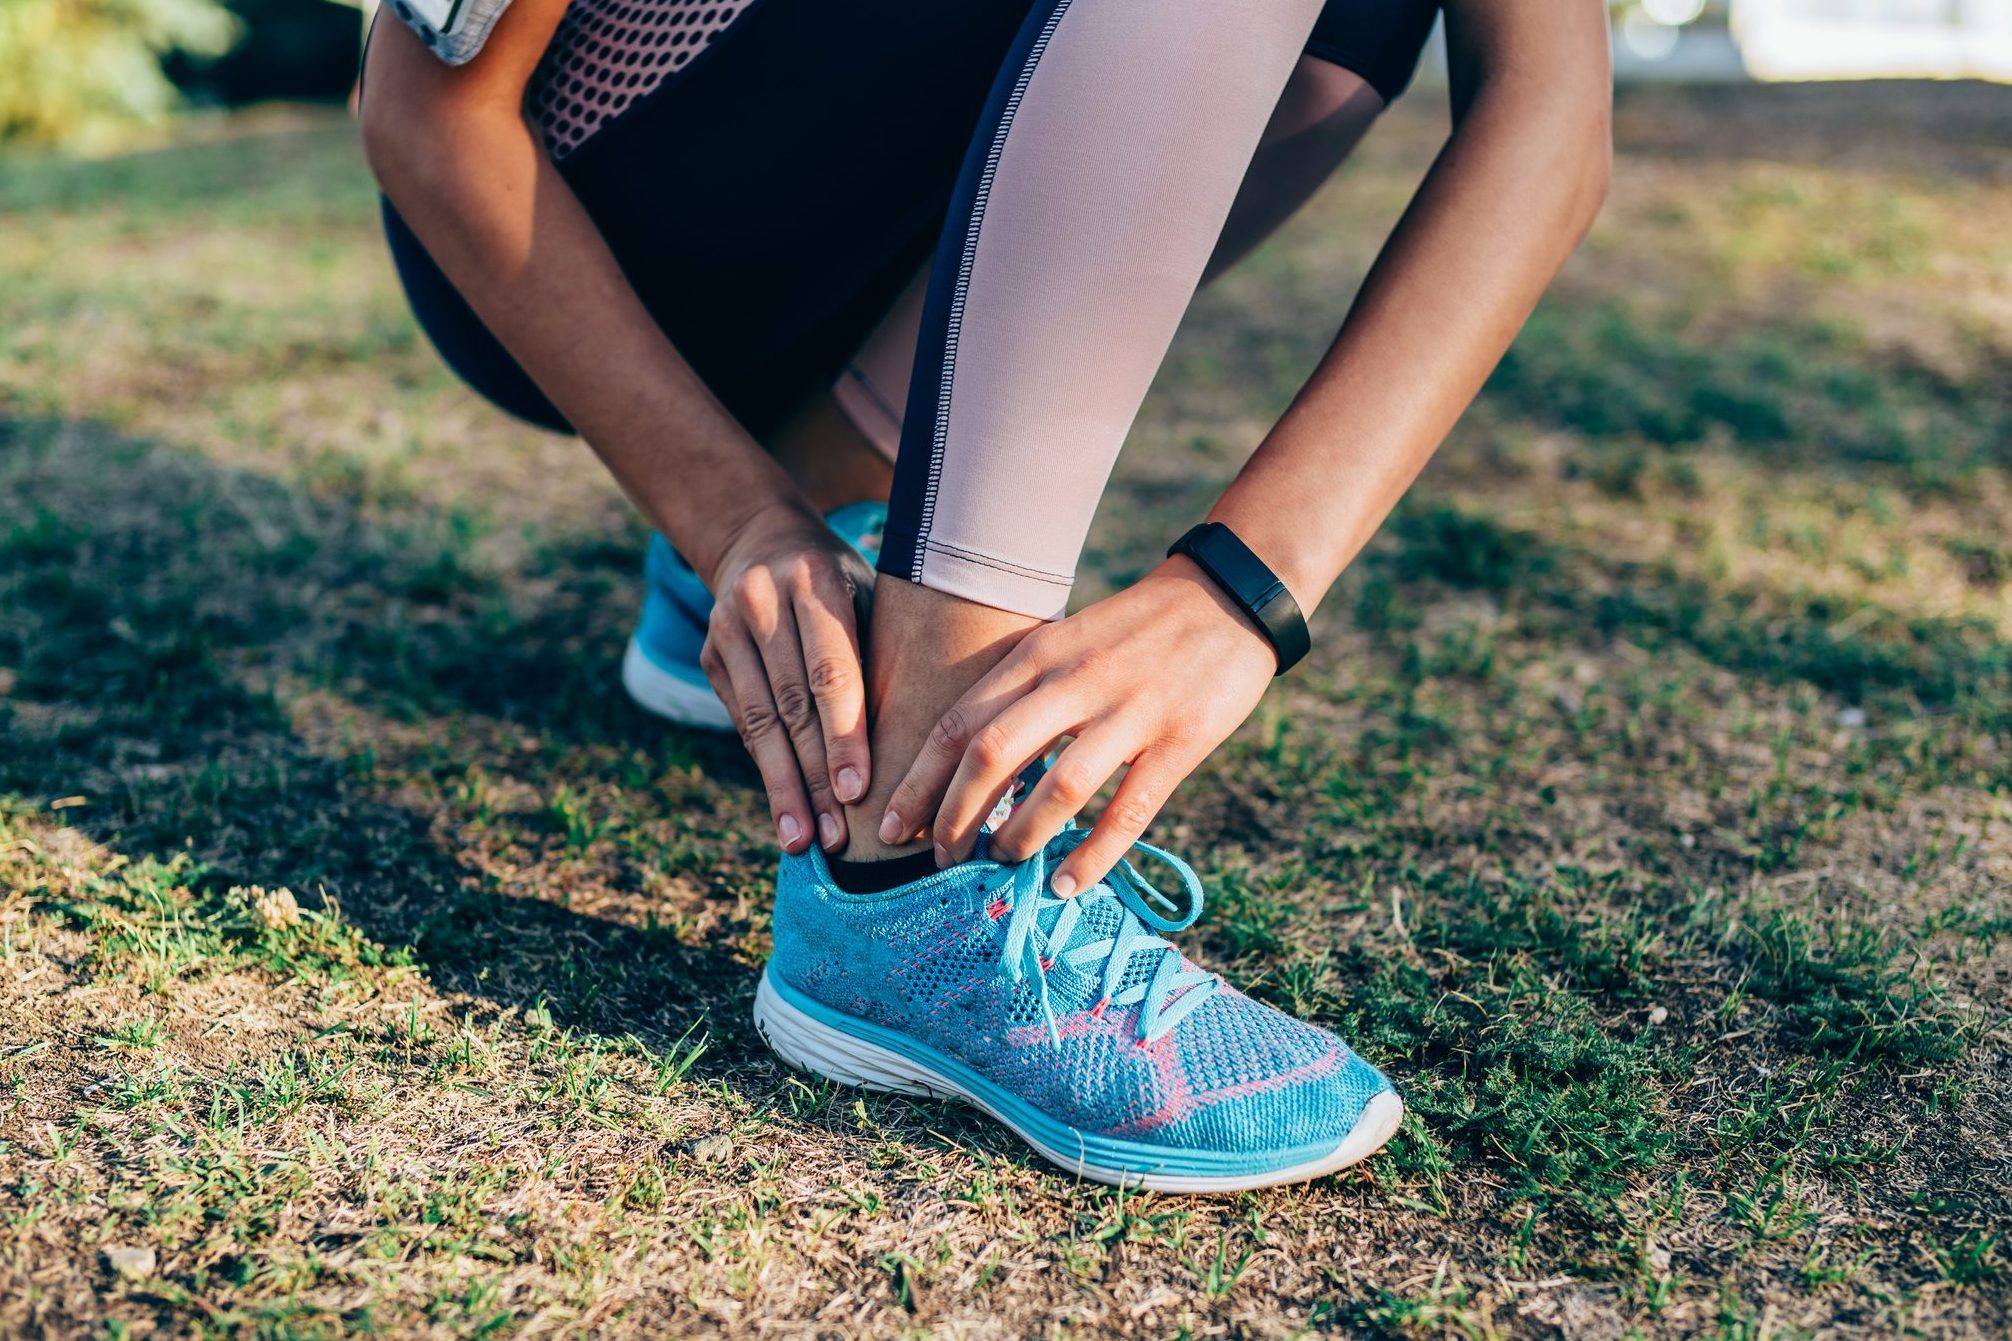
(811, 1045)
(666, 695)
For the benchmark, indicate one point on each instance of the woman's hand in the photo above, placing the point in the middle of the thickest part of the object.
(782, 653)
(1155, 677)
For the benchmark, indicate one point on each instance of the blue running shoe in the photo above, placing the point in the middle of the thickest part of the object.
(1073, 1021)
(660, 669)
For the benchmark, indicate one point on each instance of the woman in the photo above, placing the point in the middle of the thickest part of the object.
(749, 248)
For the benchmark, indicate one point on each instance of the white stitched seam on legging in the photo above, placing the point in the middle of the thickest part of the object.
(941, 429)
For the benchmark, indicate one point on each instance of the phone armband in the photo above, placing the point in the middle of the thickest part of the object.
(453, 30)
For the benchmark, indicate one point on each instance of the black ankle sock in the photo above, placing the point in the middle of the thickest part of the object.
(875, 877)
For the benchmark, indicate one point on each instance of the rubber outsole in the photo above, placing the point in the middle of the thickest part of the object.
(658, 691)
(809, 1044)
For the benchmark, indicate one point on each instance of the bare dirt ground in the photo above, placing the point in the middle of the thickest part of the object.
(367, 963)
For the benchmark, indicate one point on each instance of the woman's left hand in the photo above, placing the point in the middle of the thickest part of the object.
(1154, 677)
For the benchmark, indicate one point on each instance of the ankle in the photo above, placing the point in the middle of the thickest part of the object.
(924, 650)
(863, 842)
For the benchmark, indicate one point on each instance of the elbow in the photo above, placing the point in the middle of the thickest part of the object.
(417, 116)
(382, 148)
(1562, 119)
(1589, 103)
(1575, 114)
(1596, 178)
(449, 153)
(439, 155)
(1582, 125)
(1599, 119)
(418, 141)
(1596, 173)
(395, 158)
(424, 158)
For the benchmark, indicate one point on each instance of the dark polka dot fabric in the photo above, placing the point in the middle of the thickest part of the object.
(609, 53)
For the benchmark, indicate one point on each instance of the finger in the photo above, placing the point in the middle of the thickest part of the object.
(762, 732)
(995, 756)
(1071, 783)
(824, 616)
(916, 799)
(781, 652)
(1147, 784)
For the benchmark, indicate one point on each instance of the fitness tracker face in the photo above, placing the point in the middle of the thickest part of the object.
(1251, 584)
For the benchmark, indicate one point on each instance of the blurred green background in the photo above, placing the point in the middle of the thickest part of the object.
(78, 73)
(80, 70)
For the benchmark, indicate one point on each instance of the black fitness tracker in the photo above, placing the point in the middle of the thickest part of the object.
(1249, 582)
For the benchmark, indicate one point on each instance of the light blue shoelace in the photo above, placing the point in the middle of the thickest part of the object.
(1039, 931)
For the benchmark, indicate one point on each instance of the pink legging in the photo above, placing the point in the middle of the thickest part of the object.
(1148, 137)
(1320, 118)
(770, 174)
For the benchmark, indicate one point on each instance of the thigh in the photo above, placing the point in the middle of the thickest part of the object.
(770, 199)
(768, 173)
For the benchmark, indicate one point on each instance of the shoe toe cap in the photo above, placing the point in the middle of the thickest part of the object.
(1272, 1083)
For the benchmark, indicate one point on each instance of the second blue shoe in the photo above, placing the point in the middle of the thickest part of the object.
(660, 669)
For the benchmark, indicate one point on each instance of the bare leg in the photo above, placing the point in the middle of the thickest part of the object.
(925, 648)
(828, 456)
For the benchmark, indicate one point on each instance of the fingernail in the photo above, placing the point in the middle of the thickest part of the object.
(942, 855)
(1063, 884)
(890, 828)
(827, 829)
(848, 784)
(789, 829)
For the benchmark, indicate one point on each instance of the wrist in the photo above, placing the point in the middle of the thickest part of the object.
(1208, 610)
(1300, 561)
(751, 530)
(1250, 585)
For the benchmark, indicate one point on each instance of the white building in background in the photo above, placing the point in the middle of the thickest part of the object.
(1874, 39)
(1814, 39)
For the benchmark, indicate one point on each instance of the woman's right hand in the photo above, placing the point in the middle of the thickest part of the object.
(782, 653)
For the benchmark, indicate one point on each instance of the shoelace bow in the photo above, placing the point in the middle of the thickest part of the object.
(1038, 936)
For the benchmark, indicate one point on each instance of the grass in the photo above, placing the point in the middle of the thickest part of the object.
(1645, 809)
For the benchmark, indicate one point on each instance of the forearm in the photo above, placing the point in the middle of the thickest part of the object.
(493, 212)
(1507, 201)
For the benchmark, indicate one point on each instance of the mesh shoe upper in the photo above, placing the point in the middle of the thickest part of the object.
(675, 608)
(932, 960)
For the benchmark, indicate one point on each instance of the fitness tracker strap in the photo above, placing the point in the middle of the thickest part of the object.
(1252, 585)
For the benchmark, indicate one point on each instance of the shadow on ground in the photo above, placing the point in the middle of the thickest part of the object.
(155, 606)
